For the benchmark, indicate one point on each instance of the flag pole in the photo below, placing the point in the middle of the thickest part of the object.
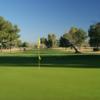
(39, 58)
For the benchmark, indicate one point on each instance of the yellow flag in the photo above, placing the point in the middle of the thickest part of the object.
(38, 43)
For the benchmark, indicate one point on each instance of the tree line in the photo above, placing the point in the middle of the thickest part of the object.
(74, 38)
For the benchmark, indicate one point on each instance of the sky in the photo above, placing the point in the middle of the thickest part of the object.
(38, 18)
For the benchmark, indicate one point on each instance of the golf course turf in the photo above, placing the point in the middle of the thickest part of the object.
(60, 77)
(91, 61)
(46, 83)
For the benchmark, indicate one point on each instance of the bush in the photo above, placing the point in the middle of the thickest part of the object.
(96, 49)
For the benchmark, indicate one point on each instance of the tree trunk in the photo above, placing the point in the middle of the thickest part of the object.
(76, 50)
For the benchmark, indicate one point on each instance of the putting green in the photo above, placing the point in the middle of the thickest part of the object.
(27, 83)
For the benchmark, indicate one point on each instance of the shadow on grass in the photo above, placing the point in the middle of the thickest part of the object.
(80, 61)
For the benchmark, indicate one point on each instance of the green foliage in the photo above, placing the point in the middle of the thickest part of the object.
(25, 44)
(44, 41)
(64, 42)
(8, 33)
(76, 36)
(50, 42)
(94, 34)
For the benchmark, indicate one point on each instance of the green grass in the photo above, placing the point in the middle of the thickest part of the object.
(17, 83)
(63, 76)
(91, 61)
(34, 52)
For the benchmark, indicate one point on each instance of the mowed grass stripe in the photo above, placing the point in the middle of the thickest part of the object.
(65, 61)
(17, 83)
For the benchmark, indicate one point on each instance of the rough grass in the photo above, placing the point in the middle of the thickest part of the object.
(17, 83)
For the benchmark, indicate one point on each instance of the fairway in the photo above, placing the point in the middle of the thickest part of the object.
(32, 83)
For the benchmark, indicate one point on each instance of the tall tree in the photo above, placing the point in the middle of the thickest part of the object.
(44, 41)
(8, 33)
(94, 35)
(49, 42)
(52, 40)
(76, 36)
(64, 42)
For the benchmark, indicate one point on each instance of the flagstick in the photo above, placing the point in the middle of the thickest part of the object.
(39, 54)
(39, 57)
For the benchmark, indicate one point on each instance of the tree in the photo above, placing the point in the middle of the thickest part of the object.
(64, 42)
(94, 35)
(25, 45)
(8, 33)
(76, 36)
(49, 42)
(19, 44)
(52, 40)
(44, 41)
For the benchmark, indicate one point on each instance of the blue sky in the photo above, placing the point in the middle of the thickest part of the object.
(39, 17)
